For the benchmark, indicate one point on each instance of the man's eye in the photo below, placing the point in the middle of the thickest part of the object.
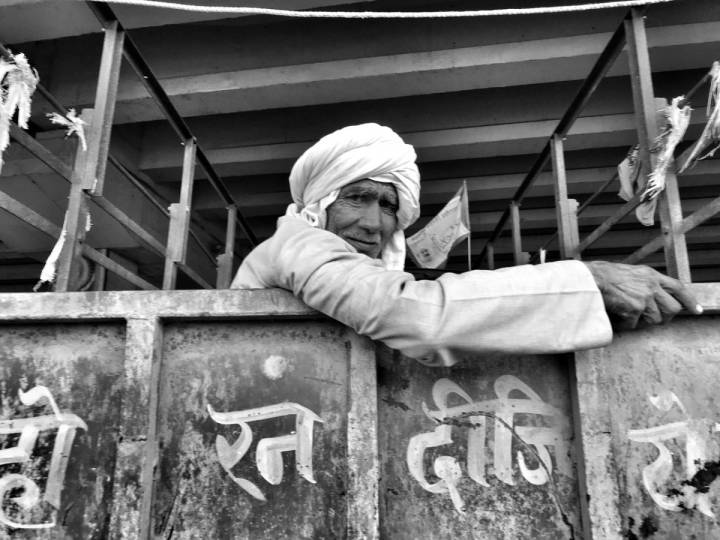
(390, 208)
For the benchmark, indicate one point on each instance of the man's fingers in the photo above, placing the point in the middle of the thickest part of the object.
(669, 307)
(652, 313)
(625, 320)
(681, 293)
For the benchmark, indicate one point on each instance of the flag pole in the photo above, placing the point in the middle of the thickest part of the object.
(467, 213)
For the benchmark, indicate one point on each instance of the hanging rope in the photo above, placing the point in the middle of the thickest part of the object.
(384, 14)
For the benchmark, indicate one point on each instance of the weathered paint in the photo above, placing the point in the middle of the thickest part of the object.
(139, 370)
(223, 366)
(82, 367)
(663, 377)
(492, 507)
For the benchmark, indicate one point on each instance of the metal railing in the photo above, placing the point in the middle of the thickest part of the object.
(87, 178)
(630, 32)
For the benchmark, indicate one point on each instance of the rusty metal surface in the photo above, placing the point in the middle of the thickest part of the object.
(134, 392)
(145, 304)
(651, 416)
(200, 304)
(241, 368)
(65, 474)
(488, 503)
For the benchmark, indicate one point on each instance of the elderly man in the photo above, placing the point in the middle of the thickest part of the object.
(340, 248)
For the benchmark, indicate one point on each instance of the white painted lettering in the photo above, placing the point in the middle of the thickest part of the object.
(29, 430)
(473, 415)
(268, 454)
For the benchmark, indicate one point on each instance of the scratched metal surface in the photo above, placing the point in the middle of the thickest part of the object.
(493, 511)
(81, 366)
(240, 367)
(651, 392)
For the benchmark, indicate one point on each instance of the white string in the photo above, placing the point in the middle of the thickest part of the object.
(383, 14)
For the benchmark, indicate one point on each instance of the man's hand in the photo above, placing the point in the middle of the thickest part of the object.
(640, 296)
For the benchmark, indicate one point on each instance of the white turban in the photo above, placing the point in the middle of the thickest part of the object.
(350, 154)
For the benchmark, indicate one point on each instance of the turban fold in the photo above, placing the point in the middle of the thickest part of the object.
(350, 154)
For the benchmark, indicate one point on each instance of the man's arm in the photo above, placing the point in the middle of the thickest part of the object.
(531, 309)
(639, 296)
(528, 309)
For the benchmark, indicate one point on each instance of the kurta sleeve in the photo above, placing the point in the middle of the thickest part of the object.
(548, 308)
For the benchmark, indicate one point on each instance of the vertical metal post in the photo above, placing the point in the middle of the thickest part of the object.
(491, 256)
(180, 218)
(676, 256)
(568, 234)
(225, 261)
(137, 461)
(100, 273)
(105, 96)
(89, 168)
(363, 458)
(677, 259)
(76, 219)
(519, 256)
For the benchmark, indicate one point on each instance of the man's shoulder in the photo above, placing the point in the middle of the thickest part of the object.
(259, 268)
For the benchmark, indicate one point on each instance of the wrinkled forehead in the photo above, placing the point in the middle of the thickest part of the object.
(371, 188)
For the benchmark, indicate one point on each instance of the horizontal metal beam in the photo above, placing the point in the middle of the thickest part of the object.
(192, 274)
(604, 62)
(606, 225)
(600, 191)
(131, 225)
(38, 150)
(106, 262)
(270, 304)
(28, 215)
(688, 224)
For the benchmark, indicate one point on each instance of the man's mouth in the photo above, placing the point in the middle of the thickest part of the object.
(362, 245)
(364, 242)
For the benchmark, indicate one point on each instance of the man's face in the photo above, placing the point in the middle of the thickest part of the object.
(364, 215)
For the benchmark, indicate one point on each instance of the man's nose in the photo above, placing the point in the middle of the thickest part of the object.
(370, 220)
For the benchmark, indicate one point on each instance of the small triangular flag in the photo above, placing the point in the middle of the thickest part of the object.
(431, 245)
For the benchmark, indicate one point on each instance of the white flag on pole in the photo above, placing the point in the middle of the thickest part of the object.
(431, 245)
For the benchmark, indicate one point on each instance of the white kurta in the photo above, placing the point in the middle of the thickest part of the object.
(548, 308)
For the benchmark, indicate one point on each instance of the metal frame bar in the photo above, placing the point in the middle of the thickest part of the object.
(632, 31)
(100, 280)
(176, 249)
(491, 256)
(93, 176)
(518, 255)
(599, 192)
(686, 225)
(107, 17)
(565, 208)
(75, 224)
(692, 221)
(37, 149)
(66, 173)
(150, 196)
(676, 256)
(93, 173)
(32, 218)
(606, 225)
(604, 62)
(192, 274)
(225, 261)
